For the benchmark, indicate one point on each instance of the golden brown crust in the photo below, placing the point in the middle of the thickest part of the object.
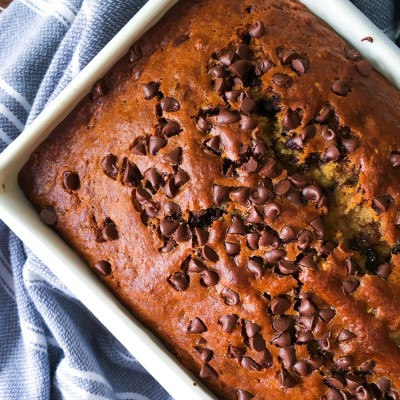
(344, 282)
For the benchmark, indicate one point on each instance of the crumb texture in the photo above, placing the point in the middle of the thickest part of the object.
(234, 180)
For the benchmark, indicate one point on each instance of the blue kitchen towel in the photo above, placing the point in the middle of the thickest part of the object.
(51, 346)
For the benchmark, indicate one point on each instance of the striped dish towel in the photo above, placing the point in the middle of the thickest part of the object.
(51, 347)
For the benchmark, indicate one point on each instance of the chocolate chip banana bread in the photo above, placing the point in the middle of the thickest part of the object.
(234, 180)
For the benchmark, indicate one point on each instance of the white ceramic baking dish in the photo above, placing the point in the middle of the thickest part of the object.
(21, 217)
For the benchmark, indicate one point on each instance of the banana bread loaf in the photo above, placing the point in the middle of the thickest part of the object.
(234, 180)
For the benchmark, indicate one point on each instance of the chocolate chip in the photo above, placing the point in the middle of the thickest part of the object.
(237, 226)
(142, 195)
(316, 362)
(328, 133)
(282, 80)
(307, 307)
(368, 39)
(201, 236)
(327, 314)
(235, 352)
(179, 281)
(336, 381)
(344, 362)
(131, 175)
(196, 326)
(354, 381)
(364, 67)
(222, 85)
(287, 233)
(255, 216)
(344, 335)
(183, 233)
(286, 380)
(350, 144)
(268, 239)
(308, 322)
(216, 72)
(300, 66)
(139, 149)
(350, 286)
(304, 240)
(103, 267)
(287, 356)
(71, 180)
(257, 30)
(174, 157)
(251, 328)
(259, 148)
(99, 89)
(48, 216)
(171, 128)
(318, 226)
(109, 167)
(332, 153)
(227, 58)
(273, 256)
(153, 177)
(307, 261)
(248, 106)
(203, 124)
(282, 339)
(150, 90)
(230, 297)
(234, 95)
(209, 278)
(352, 267)
(243, 395)
(264, 358)
(249, 364)
(247, 123)
(341, 87)
(257, 343)
(383, 384)
(384, 270)
(168, 227)
(169, 104)
(282, 188)
(180, 178)
(263, 66)
(251, 165)
(279, 305)
(324, 115)
(298, 180)
(205, 354)
(260, 195)
(255, 267)
(196, 266)
(382, 203)
(209, 254)
(353, 55)
(151, 208)
(241, 68)
(156, 143)
(243, 51)
(136, 53)
(291, 120)
(232, 249)
(333, 394)
(252, 240)
(312, 193)
(308, 132)
(213, 144)
(110, 232)
(169, 187)
(228, 322)
(208, 372)
(271, 169)
(272, 210)
(301, 367)
(169, 246)
(395, 159)
(226, 117)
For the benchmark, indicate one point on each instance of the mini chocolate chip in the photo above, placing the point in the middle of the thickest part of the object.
(171, 128)
(287, 233)
(255, 267)
(208, 372)
(99, 89)
(341, 87)
(382, 203)
(307, 307)
(271, 169)
(308, 322)
(251, 165)
(282, 188)
(179, 281)
(156, 143)
(260, 195)
(109, 167)
(150, 90)
(196, 326)
(209, 254)
(328, 133)
(252, 240)
(232, 249)
(305, 239)
(153, 177)
(281, 339)
(216, 72)
(230, 297)
(203, 124)
(364, 67)
(344, 335)
(227, 58)
(209, 278)
(228, 322)
(287, 356)
(307, 261)
(272, 210)
(168, 227)
(344, 362)
(196, 266)
(226, 117)
(249, 364)
(139, 149)
(318, 226)
(257, 30)
(286, 380)
(151, 208)
(183, 233)
(312, 193)
(384, 270)
(255, 216)
(327, 314)
(131, 175)
(268, 239)
(300, 66)
(251, 328)
(235, 352)
(257, 343)
(169, 104)
(103, 267)
(353, 55)
(201, 236)
(241, 68)
(291, 120)
(350, 285)
(205, 354)
(298, 180)
(180, 178)
(273, 256)
(395, 159)
(171, 208)
(136, 53)
(332, 153)
(281, 324)
(247, 123)
(213, 144)
(110, 232)
(301, 367)
(279, 305)
(237, 226)
(174, 157)
(282, 80)
(71, 180)
(243, 395)
(48, 216)
(248, 106)
(308, 132)
(142, 195)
